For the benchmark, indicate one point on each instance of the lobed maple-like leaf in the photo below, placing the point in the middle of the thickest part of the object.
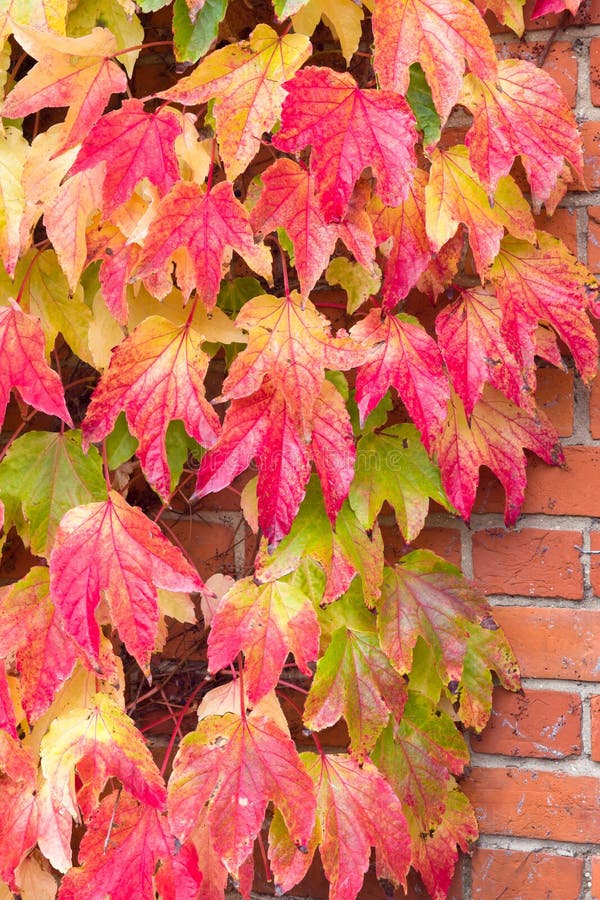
(31, 629)
(155, 375)
(209, 225)
(496, 437)
(66, 217)
(100, 742)
(43, 476)
(350, 800)
(406, 357)
(265, 622)
(343, 17)
(487, 651)
(440, 35)
(76, 72)
(23, 365)
(355, 679)
(133, 144)
(118, 257)
(545, 284)
(424, 596)
(520, 113)
(393, 466)
(417, 756)
(233, 763)
(112, 548)
(127, 849)
(348, 129)
(18, 808)
(245, 80)
(470, 337)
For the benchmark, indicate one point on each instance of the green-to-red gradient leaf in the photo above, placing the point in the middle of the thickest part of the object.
(31, 630)
(233, 764)
(266, 622)
(23, 365)
(545, 284)
(348, 129)
(134, 144)
(100, 742)
(406, 357)
(155, 375)
(208, 225)
(521, 113)
(113, 549)
(440, 35)
(76, 72)
(350, 800)
(355, 679)
(497, 435)
(139, 849)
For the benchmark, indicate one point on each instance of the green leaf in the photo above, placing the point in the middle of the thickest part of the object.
(120, 443)
(421, 102)
(179, 445)
(193, 39)
(152, 5)
(487, 650)
(358, 282)
(44, 475)
(394, 466)
(127, 29)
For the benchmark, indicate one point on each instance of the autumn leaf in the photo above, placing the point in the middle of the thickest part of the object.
(114, 548)
(357, 281)
(47, 15)
(209, 225)
(350, 798)
(8, 722)
(238, 763)
(266, 622)
(355, 679)
(101, 742)
(126, 849)
(245, 80)
(155, 375)
(23, 365)
(193, 38)
(487, 651)
(66, 218)
(30, 628)
(470, 337)
(406, 357)
(118, 258)
(393, 466)
(133, 144)
(18, 807)
(440, 36)
(348, 129)
(44, 475)
(76, 72)
(14, 151)
(521, 113)
(545, 284)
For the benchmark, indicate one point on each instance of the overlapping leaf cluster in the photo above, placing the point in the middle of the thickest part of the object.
(121, 296)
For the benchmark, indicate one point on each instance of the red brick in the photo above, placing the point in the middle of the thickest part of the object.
(552, 490)
(562, 224)
(445, 542)
(595, 409)
(513, 875)
(553, 643)
(209, 544)
(595, 562)
(595, 723)
(547, 805)
(593, 259)
(590, 132)
(554, 396)
(596, 878)
(543, 724)
(532, 562)
(561, 62)
(525, 876)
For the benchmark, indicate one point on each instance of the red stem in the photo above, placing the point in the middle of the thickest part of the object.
(180, 719)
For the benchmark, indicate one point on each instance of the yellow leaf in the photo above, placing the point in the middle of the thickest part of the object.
(357, 281)
(47, 15)
(104, 333)
(343, 18)
(119, 17)
(13, 153)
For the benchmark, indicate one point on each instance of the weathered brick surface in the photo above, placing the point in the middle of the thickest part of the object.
(542, 724)
(525, 876)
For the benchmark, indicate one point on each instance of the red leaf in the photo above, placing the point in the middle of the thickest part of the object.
(520, 113)
(18, 808)
(266, 622)
(76, 72)
(332, 448)
(112, 547)
(470, 337)
(348, 129)
(209, 225)
(101, 742)
(23, 365)
(155, 375)
(29, 627)
(498, 433)
(134, 144)
(8, 722)
(232, 764)
(407, 358)
(119, 258)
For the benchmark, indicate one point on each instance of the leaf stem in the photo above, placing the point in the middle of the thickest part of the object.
(105, 466)
(180, 719)
(140, 47)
